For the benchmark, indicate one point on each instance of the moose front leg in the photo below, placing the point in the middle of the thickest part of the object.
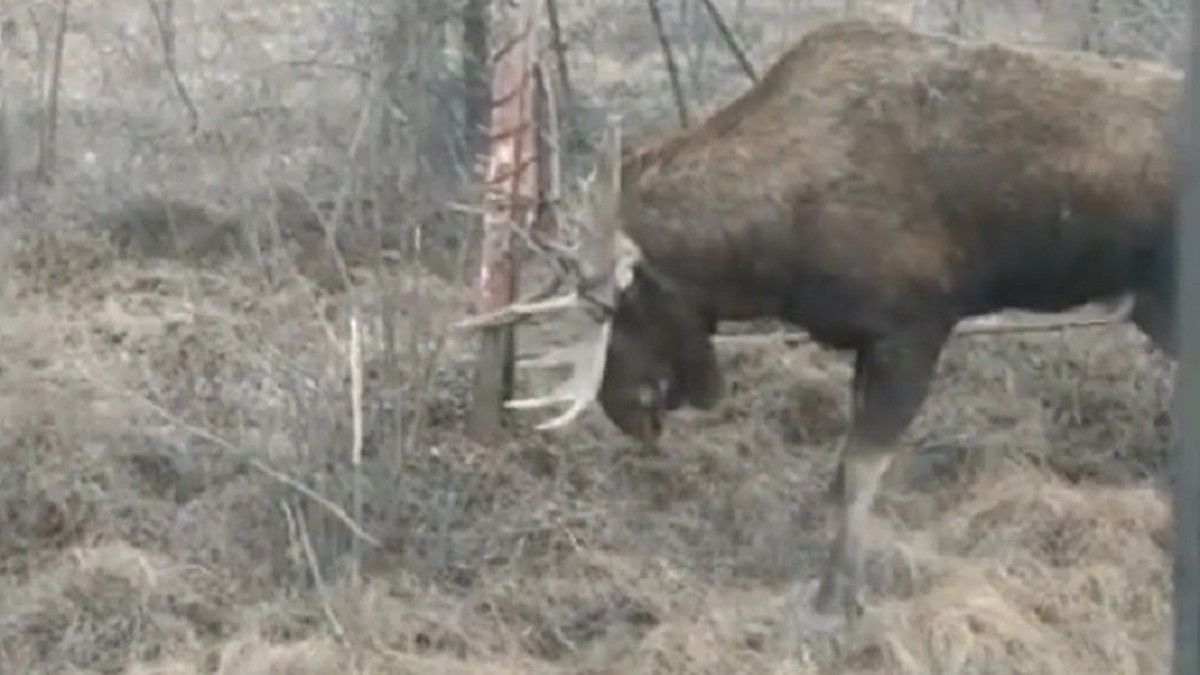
(891, 380)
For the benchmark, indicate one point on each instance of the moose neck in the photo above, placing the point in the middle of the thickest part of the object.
(705, 252)
(706, 278)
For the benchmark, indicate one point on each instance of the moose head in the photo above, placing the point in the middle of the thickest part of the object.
(646, 349)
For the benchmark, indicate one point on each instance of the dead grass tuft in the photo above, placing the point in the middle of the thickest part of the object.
(98, 608)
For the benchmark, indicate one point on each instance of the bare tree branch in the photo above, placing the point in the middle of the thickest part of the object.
(730, 40)
(979, 326)
(164, 19)
(669, 57)
(560, 57)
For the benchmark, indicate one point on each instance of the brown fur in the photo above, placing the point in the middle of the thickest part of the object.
(876, 175)
(877, 186)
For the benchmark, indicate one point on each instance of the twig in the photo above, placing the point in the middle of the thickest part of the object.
(476, 92)
(8, 34)
(549, 153)
(367, 115)
(319, 581)
(669, 57)
(318, 64)
(356, 416)
(389, 305)
(421, 395)
(730, 40)
(293, 530)
(337, 511)
(164, 19)
(560, 55)
(48, 149)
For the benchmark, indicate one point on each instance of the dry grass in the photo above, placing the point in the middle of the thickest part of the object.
(1026, 536)
(159, 408)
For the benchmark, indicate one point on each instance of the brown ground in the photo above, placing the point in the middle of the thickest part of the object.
(158, 414)
(1027, 535)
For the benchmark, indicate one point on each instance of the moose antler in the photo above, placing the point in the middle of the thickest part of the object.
(604, 262)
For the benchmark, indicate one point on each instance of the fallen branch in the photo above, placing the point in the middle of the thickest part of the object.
(971, 327)
(978, 326)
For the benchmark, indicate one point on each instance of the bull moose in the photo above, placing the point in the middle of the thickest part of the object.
(874, 188)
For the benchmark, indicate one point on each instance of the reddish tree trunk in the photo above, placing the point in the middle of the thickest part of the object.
(512, 191)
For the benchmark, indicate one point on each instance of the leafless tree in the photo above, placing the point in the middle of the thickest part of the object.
(1186, 469)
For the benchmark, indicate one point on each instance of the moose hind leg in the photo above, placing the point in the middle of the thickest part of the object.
(891, 380)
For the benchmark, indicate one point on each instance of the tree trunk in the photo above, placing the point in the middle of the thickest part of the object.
(476, 104)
